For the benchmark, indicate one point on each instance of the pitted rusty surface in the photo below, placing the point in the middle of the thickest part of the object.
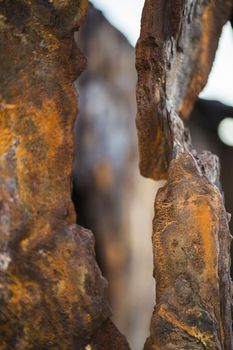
(53, 297)
(191, 245)
(174, 56)
(52, 294)
(191, 239)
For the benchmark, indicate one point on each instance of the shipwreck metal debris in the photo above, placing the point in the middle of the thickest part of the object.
(52, 294)
(191, 239)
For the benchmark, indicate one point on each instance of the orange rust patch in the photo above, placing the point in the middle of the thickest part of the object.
(205, 222)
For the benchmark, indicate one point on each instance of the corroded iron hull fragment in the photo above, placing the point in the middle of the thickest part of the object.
(191, 239)
(52, 294)
(191, 245)
(174, 55)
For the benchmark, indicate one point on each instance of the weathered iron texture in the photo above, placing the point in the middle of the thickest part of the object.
(191, 239)
(52, 294)
(174, 56)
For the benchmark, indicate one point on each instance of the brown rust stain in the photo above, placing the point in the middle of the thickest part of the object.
(186, 248)
(52, 293)
(191, 239)
(174, 55)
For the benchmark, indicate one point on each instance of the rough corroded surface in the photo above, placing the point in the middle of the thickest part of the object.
(191, 239)
(51, 289)
(191, 244)
(175, 52)
(203, 122)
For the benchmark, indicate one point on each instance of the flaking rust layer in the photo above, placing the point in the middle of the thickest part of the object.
(174, 55)
(52, 294)
(191, 239)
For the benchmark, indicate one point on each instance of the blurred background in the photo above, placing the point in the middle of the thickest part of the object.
(110, 196)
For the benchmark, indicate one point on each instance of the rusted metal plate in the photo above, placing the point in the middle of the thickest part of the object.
(191, 245)
(174, 56)
(191, 239)
(52, 294)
